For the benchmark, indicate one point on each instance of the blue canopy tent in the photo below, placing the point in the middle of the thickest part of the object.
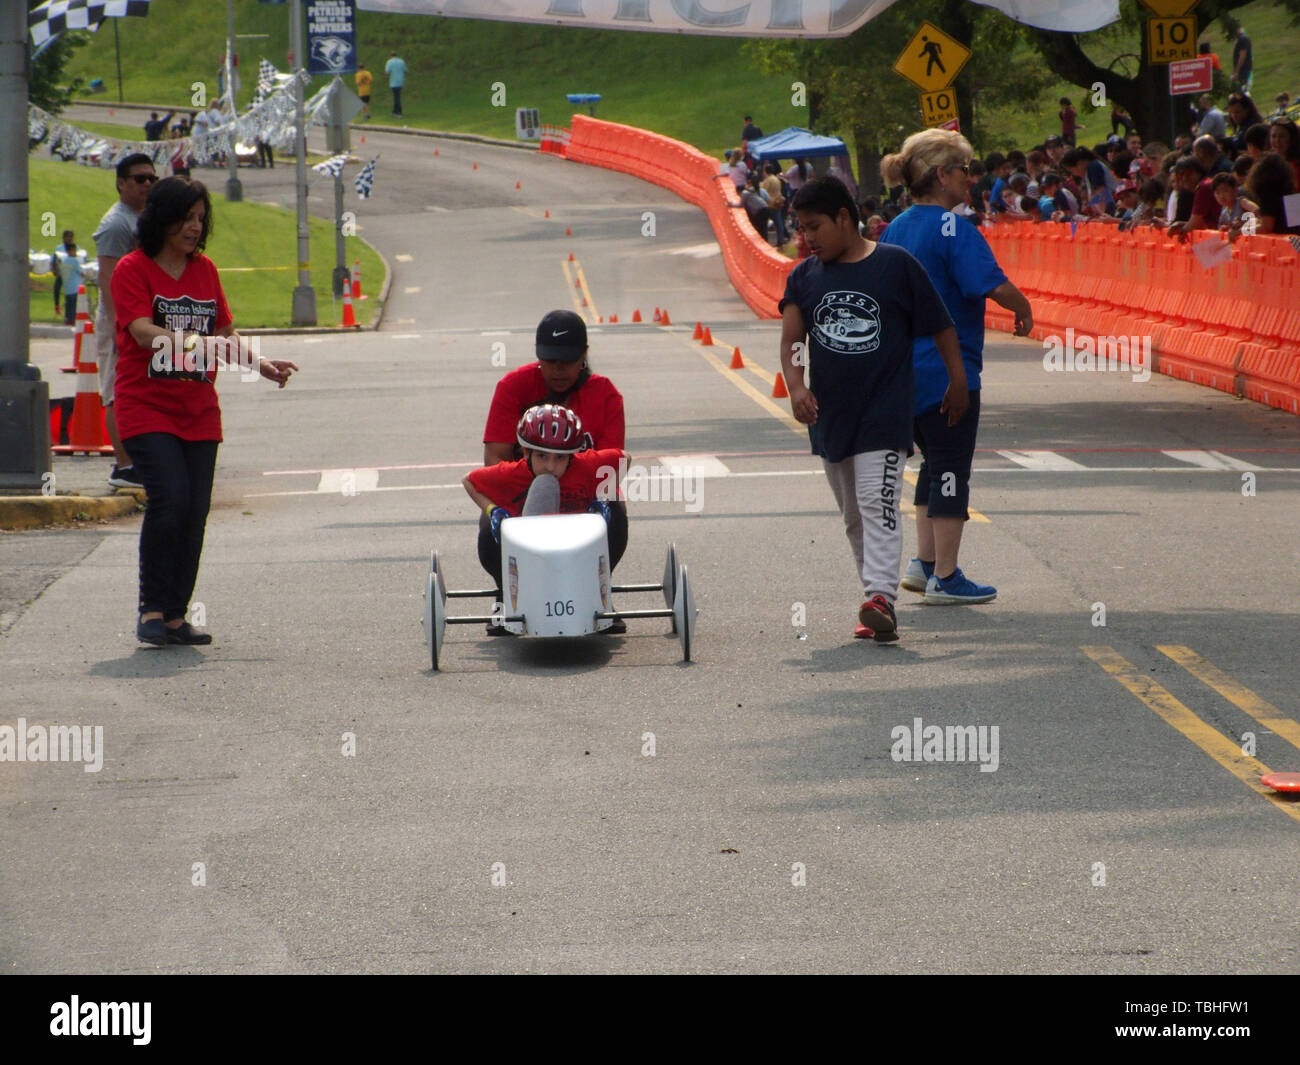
(796, 143)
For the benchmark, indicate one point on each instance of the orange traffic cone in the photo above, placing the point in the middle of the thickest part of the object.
(476, 166)
(658, 314)
(570, 256)
(584, 301)
(546, 213)
(87, 433)
(516, 184)
(435, 151)
(636, 315)
(349, 317)
(778, 388)
(613, 319)
(356, 281)
(577, 282)
(83, 317)
(708, 338)
(699, 332)
(568, 231)
(663, 318)
(737, 360)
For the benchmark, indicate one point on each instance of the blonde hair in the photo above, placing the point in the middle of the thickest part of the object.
(914, 164)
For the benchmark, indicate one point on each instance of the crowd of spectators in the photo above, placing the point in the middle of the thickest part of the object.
(1231, 170)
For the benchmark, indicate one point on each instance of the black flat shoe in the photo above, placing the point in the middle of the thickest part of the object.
(152, 631)
(186, 633)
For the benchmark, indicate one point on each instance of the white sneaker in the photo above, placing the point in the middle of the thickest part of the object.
(917, 575)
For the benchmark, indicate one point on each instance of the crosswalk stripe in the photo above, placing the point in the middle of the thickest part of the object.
(1211, 460)
(1042, 460)
(359, 480)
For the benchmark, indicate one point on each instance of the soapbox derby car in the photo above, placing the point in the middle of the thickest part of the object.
(557, 583)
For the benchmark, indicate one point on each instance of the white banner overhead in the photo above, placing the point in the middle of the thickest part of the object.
(753, 18)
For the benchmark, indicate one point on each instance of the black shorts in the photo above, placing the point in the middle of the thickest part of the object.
(943, 483)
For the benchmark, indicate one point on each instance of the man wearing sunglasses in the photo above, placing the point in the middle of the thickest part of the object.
(114, 238)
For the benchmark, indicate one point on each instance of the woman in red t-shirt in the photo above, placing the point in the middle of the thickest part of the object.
(561, 376)
(171, 316)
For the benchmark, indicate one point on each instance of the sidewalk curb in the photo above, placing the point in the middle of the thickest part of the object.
(35, 512)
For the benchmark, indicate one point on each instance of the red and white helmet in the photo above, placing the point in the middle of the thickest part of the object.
(550, 427)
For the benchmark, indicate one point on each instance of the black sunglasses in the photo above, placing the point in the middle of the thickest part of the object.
(144, 179)
(964, 169)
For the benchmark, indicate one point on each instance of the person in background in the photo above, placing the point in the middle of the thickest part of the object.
(1284, 138)
(1256, 139)
(1242, 61)
(69, 269)
(115, 238)
(798, 173)
(1269, 183)
(750, 132)
(771, 184)
(1119, 116)
(365, 80)
(395, 68)
(1231, 209)
(155, 127)
(737, 169)
(59, 250)
(1212, 123)
(964, 271)
(1069, 121)
(1283, 102)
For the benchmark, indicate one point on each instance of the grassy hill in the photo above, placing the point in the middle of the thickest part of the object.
(693, 88)
(253, 245)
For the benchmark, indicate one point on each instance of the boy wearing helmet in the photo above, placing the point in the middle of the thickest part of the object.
(556, 453)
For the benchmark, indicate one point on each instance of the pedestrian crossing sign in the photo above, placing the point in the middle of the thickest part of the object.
(932, 59)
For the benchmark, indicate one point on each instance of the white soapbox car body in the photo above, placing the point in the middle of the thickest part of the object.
(556, 574)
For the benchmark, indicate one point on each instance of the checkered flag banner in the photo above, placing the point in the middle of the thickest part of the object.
(54, 16)
(1295, 243)
(332, 166)
(366, 179)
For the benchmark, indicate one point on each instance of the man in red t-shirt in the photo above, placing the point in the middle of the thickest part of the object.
(551, 438)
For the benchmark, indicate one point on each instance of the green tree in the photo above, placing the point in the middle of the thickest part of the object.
(1111, 64)
(46, 88)
(853, 91)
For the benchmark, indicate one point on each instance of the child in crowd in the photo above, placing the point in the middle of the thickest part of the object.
(554, 447)
(850, 314)
(1225, 192)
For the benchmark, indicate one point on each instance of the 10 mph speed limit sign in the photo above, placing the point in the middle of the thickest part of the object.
(938, 107)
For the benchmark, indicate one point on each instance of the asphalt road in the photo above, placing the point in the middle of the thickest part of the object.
(771, 829)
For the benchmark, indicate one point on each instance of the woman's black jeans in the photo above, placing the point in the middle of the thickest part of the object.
(177, 476)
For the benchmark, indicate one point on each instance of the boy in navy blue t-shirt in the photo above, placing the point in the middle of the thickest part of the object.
(850, 314)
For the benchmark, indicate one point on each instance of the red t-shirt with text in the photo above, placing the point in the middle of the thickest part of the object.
(152, 400)
(598, 405)
(507, 483)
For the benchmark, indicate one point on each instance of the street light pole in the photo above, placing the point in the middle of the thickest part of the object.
(304, 296)
(234, 190)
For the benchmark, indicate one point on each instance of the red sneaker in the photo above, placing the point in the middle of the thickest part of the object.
(877, 615)
(863, 633)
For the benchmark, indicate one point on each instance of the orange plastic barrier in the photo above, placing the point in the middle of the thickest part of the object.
(756, 269)
(1234, 327)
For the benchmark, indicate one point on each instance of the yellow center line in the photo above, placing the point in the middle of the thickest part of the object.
(1239, 695)
(1177, 715)
(572, 289)
(779, 413)
(591, 300)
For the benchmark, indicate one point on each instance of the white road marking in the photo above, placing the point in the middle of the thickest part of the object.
(1211, 460)
(403, 336)
(404, 258)
(700, 465)
(349, 481)
(697, 251)
(312, 340)
(435, 207)
(411, 290)
(1042, 460)
(498, 333)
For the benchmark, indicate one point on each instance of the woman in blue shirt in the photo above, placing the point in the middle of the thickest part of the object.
(935, 167)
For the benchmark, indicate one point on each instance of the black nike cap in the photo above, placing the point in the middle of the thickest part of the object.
(561, 335)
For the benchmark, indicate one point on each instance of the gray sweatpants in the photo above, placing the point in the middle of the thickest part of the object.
(867, 488)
